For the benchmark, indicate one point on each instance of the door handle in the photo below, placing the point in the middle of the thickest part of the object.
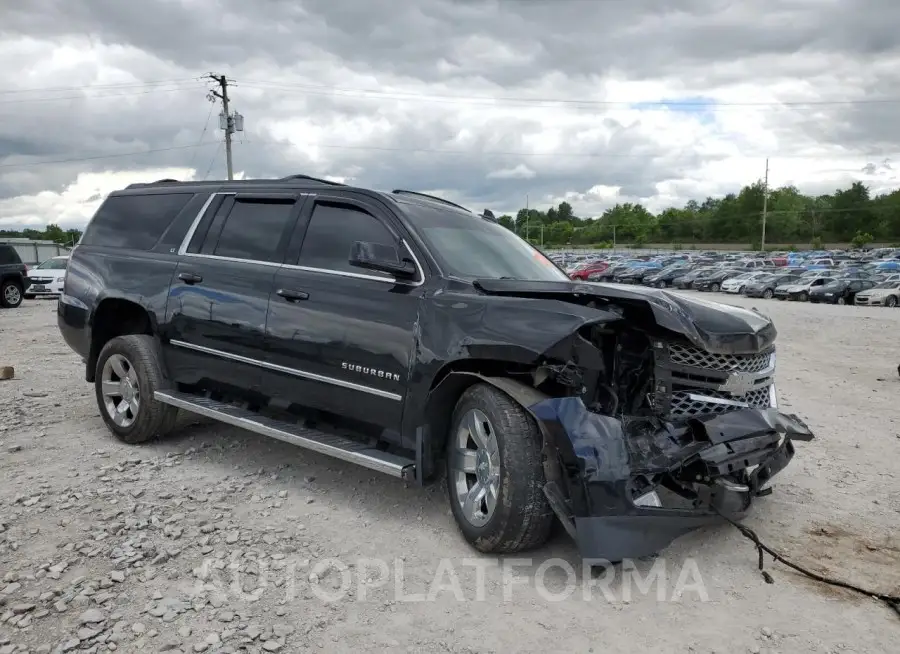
(291, 295)
(190, 278)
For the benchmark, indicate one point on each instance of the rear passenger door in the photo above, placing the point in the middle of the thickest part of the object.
(219, 296)
(342, 335)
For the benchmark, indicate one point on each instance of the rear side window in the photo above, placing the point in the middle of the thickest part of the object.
(134, 222)
(8, 255)
(255, 230)
(331, 233)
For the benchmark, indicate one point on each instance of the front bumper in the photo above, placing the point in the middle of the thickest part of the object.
(609, 462)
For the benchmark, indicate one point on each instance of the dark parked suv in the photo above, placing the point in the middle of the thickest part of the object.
(12, 277)
(404, 333)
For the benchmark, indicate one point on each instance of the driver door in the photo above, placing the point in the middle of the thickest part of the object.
(343, 336)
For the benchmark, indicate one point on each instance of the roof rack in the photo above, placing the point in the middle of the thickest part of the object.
(310, 179)
(401, 191)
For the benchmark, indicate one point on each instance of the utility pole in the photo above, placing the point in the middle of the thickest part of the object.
(527, 219)
(762, 241)
(230, 122)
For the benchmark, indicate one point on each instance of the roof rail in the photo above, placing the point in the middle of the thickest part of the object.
(400, 191)
(310, 179)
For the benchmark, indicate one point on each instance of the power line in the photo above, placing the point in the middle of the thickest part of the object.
(560, 154)
(202, 134)
(212, 161)
(118, 85)
(316, 89)
(106, 156)
(88, 96)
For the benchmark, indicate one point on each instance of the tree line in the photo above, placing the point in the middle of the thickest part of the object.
(850, 215)
(51, 232)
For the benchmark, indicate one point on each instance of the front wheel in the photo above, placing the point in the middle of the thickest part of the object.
(841, 300)
(768, 293)
(803, 297)
(10, 294)
(891, 301)
(495, 474)
(715, 288)
(128, 374)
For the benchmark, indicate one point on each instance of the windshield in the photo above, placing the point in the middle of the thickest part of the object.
(472, 247)
(768, 277)
(53, 264)
(888, 285)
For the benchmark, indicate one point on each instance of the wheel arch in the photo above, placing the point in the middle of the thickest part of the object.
(449, 385)
(116, 316)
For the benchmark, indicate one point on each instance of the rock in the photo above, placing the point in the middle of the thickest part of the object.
(184, 632)
(85, 633)
(60, 606)
(169, 646)
(69, 645)
(272, 645)
(91, 616)
(138, 628)
(117, 576)
(226, 616)
(232, 537)
(19, 609)
(7, 372)
(201, 647)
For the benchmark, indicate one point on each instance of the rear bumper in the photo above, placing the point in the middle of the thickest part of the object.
(735, 454)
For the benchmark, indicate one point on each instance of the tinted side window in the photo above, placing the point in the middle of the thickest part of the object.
(254, 230)
(134, 221)
(331, 233)
(8, 255)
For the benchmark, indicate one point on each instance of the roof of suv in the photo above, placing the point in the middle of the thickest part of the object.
(305, 182)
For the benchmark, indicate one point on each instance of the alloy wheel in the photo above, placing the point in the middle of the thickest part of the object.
(475, 468)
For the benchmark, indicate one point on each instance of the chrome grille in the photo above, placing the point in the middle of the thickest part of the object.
(686, 355)
(684, 406)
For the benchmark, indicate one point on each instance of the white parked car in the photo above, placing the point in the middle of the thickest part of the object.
(886, 294)
(736, 284)
(47, 278)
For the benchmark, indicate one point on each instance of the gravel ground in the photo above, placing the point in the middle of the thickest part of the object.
(220, 540)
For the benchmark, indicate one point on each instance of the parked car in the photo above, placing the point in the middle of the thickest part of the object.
(404, 333)
(886, 294)
(666, 277)
(47, 278)
(839, 291)
(800, 289)
(12, 277)
(765, 285)
(686, 281)
(735, 285)
(713, 281)
(585, 270)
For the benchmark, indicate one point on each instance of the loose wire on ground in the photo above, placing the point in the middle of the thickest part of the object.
(893, 601)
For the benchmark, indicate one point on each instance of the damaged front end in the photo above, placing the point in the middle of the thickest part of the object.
(658, 421)
(627, 487)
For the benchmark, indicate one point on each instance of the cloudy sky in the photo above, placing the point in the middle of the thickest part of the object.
(483, 101)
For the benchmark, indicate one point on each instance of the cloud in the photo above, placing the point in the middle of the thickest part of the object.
(485, 101)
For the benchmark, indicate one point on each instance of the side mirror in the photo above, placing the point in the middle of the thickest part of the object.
(384, 258)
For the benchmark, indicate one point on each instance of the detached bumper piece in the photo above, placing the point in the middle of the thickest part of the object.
(631, 486)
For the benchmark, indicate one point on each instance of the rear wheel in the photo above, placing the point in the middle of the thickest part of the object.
(768, 293)
(495, 474)
(128, 374)
(841, 300)
(803, 297)
(10, 294)
(715, 288)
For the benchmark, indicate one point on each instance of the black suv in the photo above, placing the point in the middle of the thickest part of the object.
(12, 277)
(405, 333)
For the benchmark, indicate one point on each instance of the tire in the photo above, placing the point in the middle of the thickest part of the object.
(803, 297)
(841, 300)
(10, 294)
(741, 290)
(891, 301)
(715, 288)
(768, 294)
(134, 358)
(510, 462)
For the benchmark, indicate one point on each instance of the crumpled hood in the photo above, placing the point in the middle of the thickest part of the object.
(714, 327)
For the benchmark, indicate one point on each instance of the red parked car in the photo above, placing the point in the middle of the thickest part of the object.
(584, 270)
